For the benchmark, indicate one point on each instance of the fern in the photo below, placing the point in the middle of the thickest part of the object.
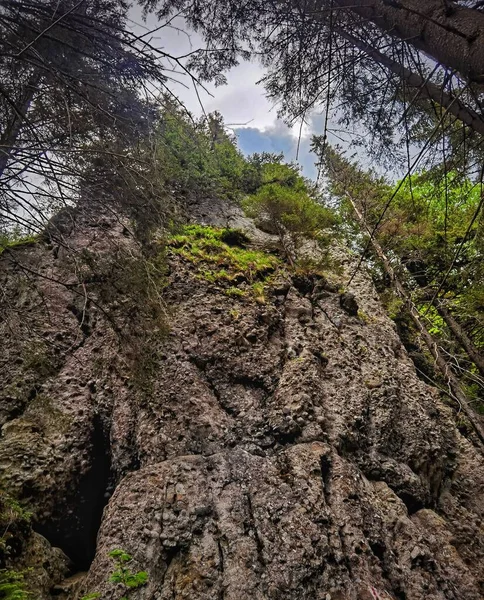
(12, 586)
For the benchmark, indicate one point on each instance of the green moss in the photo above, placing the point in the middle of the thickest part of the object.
(364, 317)
(259, 289)
(221, 256)
(222, 263)
(12, 586)
(216, 276)
(235, 291)
(14, 240)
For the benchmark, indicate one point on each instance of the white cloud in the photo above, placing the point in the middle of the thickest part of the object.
(240, 101)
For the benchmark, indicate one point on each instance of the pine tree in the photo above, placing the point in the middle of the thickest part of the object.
(377, 67)
(74, 81)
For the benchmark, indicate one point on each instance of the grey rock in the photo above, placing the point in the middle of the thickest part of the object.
(348, 302)
(291, 468)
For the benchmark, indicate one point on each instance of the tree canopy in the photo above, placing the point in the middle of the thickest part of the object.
(391, 74)
(75, 81)
(430, 239)
(288, 205)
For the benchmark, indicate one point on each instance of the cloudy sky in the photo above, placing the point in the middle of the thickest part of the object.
(241, 102)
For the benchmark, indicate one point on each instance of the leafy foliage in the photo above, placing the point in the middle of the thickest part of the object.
(285, 202)
(427, 221)
(196, 158)
(12, 586)
(74, 84)
(378, 86)
(432, 231)
(122, 573)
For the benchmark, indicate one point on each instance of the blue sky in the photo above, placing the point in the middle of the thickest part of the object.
(242, 102)
(278, 138)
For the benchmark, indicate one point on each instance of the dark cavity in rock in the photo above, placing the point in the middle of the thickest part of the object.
(348, 303)
(75, 526)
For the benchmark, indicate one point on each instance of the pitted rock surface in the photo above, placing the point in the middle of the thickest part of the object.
(281, 450)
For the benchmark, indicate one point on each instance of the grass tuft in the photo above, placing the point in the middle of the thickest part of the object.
(221, 257)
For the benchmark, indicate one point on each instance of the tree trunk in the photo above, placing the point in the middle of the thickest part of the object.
(450, 34)
(427, 89)
(444, 368)
(462, 337)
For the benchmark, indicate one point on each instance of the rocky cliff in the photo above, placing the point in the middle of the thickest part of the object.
(269, 445)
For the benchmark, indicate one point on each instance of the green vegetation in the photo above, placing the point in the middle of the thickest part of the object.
(14, 526)
(15, 238)
(321, 266)
(364, 317)
(122, 575)
(197, 158)
(12, 510)
(286, 203)
(234, 291)
(428, 227)
(221, 263)
(431, 228)
(12, 586)
(393, 304)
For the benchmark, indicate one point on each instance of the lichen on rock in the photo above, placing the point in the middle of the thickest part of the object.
(283, 449)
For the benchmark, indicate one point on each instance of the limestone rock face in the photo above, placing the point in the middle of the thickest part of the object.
(279, 450)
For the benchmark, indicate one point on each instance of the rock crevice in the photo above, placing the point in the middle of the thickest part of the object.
(277, 450)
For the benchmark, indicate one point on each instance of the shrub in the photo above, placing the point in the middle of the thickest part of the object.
(122, 575)
(286, 202)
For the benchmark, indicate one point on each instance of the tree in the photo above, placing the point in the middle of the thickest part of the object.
(74, 82)
(196, 158)
(405, 243)
(363, 62)
(450, 33)
(285, 203)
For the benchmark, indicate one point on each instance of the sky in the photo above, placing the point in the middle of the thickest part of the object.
(242, 102)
